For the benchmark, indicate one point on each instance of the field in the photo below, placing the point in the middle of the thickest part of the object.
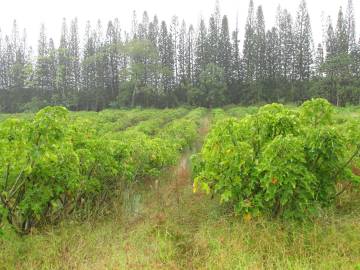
(123, 195)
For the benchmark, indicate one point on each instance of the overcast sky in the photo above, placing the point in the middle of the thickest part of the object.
(31, 13)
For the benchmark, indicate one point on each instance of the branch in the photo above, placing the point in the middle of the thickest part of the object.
(14, 187)
(7, 176)
(346, 164)
(343, 190)
(92, 170)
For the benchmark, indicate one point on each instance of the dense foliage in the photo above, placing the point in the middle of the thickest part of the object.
(279, 161)
(158, 64)
(54, 163)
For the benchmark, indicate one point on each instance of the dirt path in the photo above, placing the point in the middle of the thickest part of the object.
(171, 214)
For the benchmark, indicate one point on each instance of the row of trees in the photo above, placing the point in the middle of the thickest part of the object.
(164, 65)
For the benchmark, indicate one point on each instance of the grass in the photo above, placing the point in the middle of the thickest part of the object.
(176, 229)
(163, 225)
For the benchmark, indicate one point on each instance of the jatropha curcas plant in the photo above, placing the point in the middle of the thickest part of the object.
(38, 166)
(278, 162)
(47, 167)
(53, 165)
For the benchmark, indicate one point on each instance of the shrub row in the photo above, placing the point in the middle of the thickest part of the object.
(279, 161)
(51, 166)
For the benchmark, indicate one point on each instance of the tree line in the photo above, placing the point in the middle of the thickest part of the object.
(160, 64)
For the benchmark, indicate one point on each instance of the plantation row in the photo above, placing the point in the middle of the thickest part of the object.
(280, 161)
(113, 121)
(276, 160)
(56, 163)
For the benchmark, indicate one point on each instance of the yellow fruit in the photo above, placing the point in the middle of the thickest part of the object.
(247, 217)
(195, 187)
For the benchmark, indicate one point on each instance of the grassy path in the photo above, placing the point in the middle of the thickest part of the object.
(163, 238)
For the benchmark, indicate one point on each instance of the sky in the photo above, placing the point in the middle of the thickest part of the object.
(31, 13)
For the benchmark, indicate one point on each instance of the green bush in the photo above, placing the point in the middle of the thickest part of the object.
(38, 166)
(53, 165)
(278, 161)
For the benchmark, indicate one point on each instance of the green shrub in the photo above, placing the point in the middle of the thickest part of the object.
(38, 166)
(277, 161)
(53, 165)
